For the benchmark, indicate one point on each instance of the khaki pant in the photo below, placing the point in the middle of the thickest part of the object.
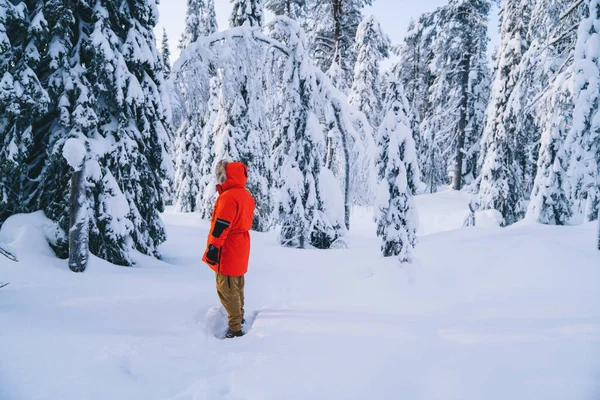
(231, 293)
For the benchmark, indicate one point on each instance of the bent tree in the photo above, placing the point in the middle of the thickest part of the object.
(309, 105)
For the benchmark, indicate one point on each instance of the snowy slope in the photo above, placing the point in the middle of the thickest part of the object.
(485, 313)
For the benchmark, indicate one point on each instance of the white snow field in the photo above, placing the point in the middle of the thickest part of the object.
(484, 313)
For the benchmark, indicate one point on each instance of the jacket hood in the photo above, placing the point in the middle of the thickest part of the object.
(236, 177)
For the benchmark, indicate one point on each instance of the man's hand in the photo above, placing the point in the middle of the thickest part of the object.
(212, 255)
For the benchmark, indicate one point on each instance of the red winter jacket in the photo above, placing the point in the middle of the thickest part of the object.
(228, 247)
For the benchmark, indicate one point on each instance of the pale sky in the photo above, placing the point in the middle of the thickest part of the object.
(394, 16)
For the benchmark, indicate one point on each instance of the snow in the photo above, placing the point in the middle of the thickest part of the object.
(31, 233)
(74, 152)
(489, 218)
(481, 314)
(116, 207)
(448, 210)
(332, 197)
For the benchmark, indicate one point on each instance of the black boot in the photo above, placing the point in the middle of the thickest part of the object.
(233, 334)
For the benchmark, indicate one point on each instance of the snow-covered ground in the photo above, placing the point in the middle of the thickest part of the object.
(485, 313)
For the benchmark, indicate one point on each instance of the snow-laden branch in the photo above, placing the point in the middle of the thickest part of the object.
(284, 39)
(572, 9)
(202, 47)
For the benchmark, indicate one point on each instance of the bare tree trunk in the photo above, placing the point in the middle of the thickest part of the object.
(346, 150)
(329, 155)
(79, 226)
(462, 124)
(330, 151)
(337, 30)
(432, 184)
(337, 58)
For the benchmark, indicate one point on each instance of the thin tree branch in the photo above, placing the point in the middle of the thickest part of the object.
(572, 9)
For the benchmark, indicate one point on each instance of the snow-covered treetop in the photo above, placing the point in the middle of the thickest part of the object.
(372, 46)
(289, 8)
(246, 12)
(396, 123)
(200, 21)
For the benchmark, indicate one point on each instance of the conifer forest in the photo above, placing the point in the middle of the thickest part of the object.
(438, 187)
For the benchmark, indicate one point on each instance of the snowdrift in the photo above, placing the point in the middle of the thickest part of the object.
(31, 234)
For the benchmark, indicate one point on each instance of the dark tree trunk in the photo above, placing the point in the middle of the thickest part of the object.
(337, 58)
(337, 30)
(79, 226)
(432, 178)
(462, 124)
(329, 155)
(346, 150)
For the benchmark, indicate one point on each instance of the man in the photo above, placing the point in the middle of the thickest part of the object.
(228, 248)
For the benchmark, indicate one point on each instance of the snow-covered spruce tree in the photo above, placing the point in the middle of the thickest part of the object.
(583, 140)
(24, 37)
(415, 72)
(193, 24)
(547, 80)
(331, 27)
(350, 145)
(191, 85)
(114, 99)
(416, 53)
(188, 158)
(551, 42)
(227, 120)
(372, 46)
(294, 9)
(176, 110)
(338, 76)
(200, 21)
(397, 105)
(207, 193)
(350, 152)
(273, 82)
(61, 85)
(501, 185)
(550, 202)
(478, 98)
(248, 12)
(398, 172)
(532, 80)
(189, 149)
(443, 66)
(240, 129)
(458, 94)
(210, 18)
(298, 149)
(165, 53)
